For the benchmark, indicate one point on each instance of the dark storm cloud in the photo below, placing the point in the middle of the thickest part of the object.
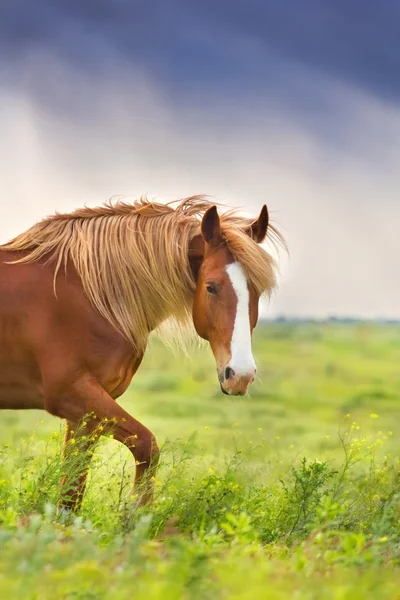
(353, 40)
(184, 42)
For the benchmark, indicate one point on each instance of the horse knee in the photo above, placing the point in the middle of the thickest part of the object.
(146, 450)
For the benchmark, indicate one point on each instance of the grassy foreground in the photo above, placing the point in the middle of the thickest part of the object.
(293, 492)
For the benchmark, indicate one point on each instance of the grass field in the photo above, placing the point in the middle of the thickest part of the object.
(293, 492)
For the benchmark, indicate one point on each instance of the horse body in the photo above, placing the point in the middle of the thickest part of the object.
(72, 338)
(59, 342)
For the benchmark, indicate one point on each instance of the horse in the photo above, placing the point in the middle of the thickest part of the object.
(81, 292)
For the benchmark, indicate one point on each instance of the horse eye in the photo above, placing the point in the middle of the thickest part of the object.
(211, 289)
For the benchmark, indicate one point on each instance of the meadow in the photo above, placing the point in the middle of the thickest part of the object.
(292, 492)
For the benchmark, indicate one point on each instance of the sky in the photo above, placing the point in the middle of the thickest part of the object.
(293, 104)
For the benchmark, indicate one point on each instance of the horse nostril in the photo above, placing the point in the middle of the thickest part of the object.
(229, 373)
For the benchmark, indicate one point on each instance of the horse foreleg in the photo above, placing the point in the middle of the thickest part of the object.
(77, 457)
(87, 397)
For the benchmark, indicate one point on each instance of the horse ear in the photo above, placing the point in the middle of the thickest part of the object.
(258, 229)
(211, 227)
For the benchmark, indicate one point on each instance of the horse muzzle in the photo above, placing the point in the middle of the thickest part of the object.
(235, 383)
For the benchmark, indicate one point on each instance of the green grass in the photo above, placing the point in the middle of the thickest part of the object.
(293, 492)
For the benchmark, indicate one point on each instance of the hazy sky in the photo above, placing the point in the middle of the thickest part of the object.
(296, 104)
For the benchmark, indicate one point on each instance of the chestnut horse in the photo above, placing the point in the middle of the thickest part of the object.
(81, 292)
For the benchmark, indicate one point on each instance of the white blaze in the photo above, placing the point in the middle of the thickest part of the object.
(242, 360)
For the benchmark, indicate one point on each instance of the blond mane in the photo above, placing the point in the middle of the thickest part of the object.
(133, 258)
